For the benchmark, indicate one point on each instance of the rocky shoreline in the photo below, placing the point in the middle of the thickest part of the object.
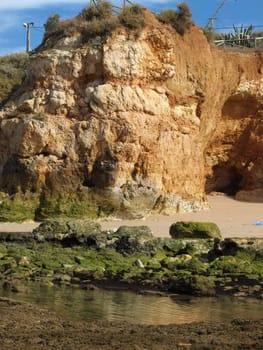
(79, 253)
(26, 326)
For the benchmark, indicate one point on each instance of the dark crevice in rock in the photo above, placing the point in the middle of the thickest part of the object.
(225, 179)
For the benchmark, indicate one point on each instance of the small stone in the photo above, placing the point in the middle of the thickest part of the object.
(24, 261)
(139, 263)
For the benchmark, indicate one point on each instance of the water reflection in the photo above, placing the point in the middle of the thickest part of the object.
(136, 308)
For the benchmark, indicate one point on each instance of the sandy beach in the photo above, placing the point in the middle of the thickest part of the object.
(234, 218)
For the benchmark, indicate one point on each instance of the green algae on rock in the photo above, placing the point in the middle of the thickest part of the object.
(192, 229)
(78, 252)
(65, 206)
(18, 207)
(70, 230)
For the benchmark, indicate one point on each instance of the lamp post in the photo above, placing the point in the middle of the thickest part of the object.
(28, 26)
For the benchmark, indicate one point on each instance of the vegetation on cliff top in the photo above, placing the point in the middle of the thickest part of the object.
(12, 70)
(100, 19)
(94, 20)
(181, 19)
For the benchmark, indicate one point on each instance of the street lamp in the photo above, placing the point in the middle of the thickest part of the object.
(28, 26)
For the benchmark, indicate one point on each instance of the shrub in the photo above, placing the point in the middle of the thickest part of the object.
(98, 20)
(97, 27)
(12, 71)
(52, 24)
(70, 27)
(94, 20)
(211, 35)
(184, 13)
(181, 19)
(132, 17)
(56, 30)
(102, 10)
(240, 36)
(167, 16)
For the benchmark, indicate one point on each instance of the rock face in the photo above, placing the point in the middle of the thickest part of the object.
(235, 153)
(136, 123)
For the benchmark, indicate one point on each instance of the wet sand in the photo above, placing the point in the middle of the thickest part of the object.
(234, 218)
(26, 326)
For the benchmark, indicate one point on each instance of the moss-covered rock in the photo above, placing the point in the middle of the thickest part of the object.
(233, 246)
(132, 239)
(16, 236)
(135, 231)
(140, 260)
(42, 206)
(197, 285)
(191, 229)
(18, 208)
(6, 263)
(185, 262)
(67, 206)
(70, 232)
(177, 262)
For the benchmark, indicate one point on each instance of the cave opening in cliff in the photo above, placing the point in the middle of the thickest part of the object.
(225, 179)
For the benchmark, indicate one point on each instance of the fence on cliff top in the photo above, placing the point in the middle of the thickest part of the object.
(253, 43)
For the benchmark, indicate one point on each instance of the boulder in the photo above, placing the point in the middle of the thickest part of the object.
(191, 229)
(70, 232)
(16, 236)
(134, 231)
(252, 247)
(195, 285)
(132, 239)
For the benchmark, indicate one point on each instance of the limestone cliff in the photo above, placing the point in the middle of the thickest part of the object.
(136, 123)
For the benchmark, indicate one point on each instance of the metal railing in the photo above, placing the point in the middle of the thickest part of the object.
(245, 42)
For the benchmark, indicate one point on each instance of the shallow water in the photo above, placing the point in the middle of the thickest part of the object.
(137, 308)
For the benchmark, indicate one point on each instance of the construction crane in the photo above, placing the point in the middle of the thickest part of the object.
(124, 2)
(210, 24)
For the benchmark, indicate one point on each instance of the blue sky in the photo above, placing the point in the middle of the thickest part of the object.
(13, 13)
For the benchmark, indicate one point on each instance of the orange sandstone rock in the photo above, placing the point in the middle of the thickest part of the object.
(145, 122)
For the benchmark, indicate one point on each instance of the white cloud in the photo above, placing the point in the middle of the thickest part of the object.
(18, 4)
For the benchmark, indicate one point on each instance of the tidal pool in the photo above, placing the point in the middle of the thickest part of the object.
(120, 305)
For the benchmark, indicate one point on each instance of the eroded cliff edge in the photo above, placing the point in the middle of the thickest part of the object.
(133, 124)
